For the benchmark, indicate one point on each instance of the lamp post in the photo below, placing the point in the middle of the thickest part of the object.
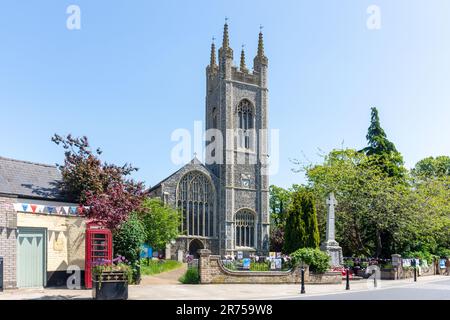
(302, 291)
(415, 270)
(374, 273)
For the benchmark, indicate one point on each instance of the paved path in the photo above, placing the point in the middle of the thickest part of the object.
(388, 289)
(169, 277)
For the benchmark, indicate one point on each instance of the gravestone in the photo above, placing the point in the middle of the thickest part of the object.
(331, 246)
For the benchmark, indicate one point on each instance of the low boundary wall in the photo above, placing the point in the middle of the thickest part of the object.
(212, 271)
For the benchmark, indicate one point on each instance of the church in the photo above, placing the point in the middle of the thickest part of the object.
(225, 202)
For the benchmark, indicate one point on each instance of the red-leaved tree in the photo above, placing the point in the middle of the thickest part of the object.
(105, 188)
(112, 207)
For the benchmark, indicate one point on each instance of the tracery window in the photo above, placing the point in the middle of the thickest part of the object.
(195, 197)
(245, 120)
(245, 229)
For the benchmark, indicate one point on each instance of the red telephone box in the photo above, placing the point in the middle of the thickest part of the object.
(98, 247)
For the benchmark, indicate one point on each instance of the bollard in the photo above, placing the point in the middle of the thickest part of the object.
(302, 291)
(347, 286)
(374, 273)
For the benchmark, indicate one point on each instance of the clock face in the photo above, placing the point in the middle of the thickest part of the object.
(246, 183)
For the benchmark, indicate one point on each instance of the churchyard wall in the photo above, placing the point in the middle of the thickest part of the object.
(212, 271)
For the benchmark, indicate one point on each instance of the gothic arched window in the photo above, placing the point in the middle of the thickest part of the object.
(245, 229)
(195, 198)
(245, 118)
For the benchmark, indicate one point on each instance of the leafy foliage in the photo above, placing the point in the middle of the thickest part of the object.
(190, 277)
(127, 241)
(278, 203)
(276, 239)
(161, 222)
(318, 261)
(301, 224)
(381, 151)
(112, 207)
(432, 167)
(379, 214)
(103, 187)
(83, 171)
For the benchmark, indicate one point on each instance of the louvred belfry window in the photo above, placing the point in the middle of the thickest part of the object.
(245, 120)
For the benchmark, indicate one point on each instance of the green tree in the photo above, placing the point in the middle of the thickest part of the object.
(301, 230)
(128, 239)
(432, 167)
(278, 203)
(373, 207)
(312, 237)
(295, 226)
(381, 151)
(161, 222)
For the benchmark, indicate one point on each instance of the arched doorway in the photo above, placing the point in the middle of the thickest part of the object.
(194, 246)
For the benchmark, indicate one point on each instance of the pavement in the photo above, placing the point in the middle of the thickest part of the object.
(430, 287)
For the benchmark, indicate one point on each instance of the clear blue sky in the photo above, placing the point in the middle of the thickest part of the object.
(136, 71)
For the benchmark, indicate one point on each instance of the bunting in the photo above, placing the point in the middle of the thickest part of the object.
(49, 210)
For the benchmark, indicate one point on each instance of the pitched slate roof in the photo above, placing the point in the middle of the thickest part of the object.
(29, 180)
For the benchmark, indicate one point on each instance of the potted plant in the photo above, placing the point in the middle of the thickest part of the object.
(110, 279)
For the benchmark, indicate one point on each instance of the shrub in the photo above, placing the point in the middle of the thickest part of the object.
(257, 266)
(317, 260)
(422, 255)
(127, 241)
(190, 277)
(443, 253)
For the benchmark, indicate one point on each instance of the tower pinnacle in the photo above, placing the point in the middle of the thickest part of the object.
(226, 42)
(243, 67)
(260, 43)
(212, 62)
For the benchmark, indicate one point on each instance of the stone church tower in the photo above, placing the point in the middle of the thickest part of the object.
(225, 202)
(237, 106)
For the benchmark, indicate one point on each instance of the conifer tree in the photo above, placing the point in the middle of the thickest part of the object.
(382, 151)
(312, 237)
(295, 226)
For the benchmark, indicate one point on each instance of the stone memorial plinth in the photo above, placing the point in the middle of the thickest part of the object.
(331, 246)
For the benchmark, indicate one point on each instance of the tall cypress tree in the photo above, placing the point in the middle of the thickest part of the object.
(295, 226)
(301, 229)
(382, 151)
(312, 237)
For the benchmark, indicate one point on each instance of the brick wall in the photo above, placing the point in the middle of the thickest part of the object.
(8, 241)
(211, 270)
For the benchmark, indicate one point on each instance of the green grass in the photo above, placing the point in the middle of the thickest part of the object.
(190, 277)
(158, 266)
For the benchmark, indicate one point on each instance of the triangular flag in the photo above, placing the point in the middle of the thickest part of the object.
(24, 207)
(49, 209)
(33, 208)
(17, 207)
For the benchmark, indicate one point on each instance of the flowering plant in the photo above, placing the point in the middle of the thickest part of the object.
(119, 264)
